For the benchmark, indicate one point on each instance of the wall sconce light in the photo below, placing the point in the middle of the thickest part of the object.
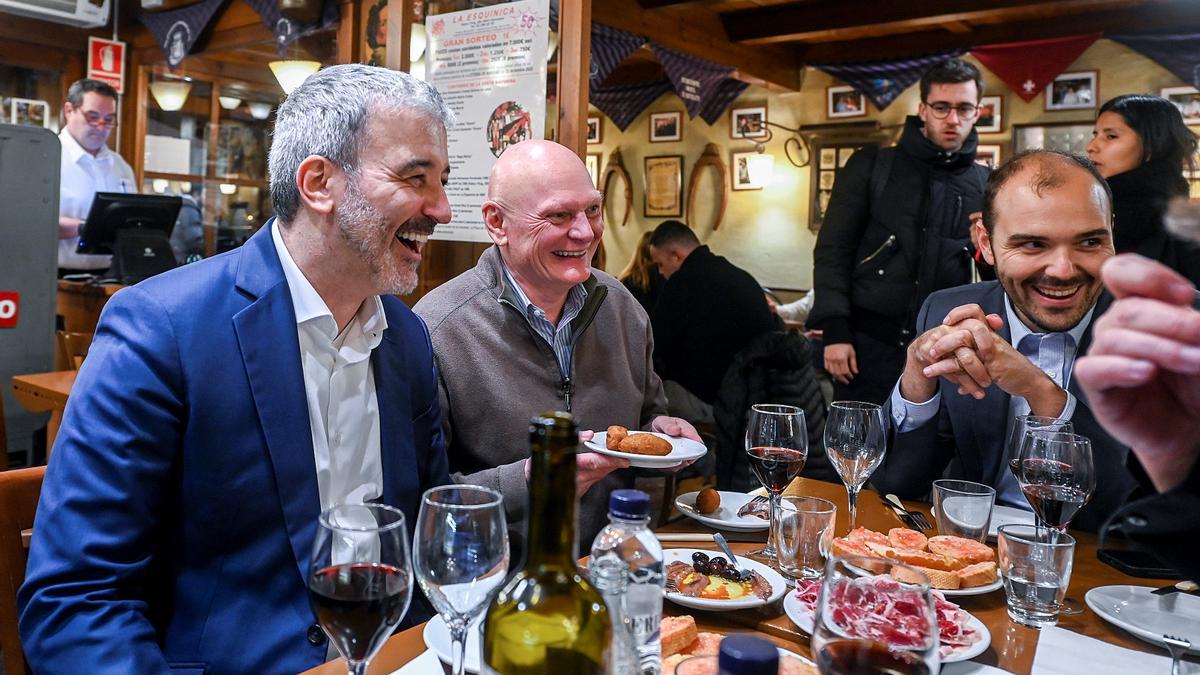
(229, 102)
(171, 94)
(185, 186)
(292, 74)
(794, 148)
(228, 188)
(160, 185)
(259, 110)
(762, 168)
(417, 42)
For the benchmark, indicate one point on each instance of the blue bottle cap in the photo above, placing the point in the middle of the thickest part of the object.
(628, 504)
(748, 655)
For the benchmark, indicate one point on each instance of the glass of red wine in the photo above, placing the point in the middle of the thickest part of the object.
(777, 444)
(1022, 425)
(361, 578)
(858, 625)
(855, 439)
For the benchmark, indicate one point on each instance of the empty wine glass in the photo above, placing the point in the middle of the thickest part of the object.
(461, 544)
(777, 444)
(854, 442)
(360, 583)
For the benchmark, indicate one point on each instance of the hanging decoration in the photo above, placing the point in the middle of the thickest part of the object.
(711, 157)
(1178, 53)
(727, 92)
(178, 30)
(610, 47)
(695, 79)
(616, 167)
(623, 103)
(883, 81)
(286, 30)
(1028, 67)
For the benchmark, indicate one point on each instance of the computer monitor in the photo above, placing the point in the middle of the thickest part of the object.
(113, 212)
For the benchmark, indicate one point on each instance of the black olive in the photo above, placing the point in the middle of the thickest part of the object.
(699, 557)
(731, 574)
(702, 568)
(718, 561)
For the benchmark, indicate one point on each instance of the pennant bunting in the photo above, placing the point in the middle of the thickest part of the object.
(1178, 53)
(178, 30)
(883, 81)
(609, 48)
(1028, 67)
(622, 104)
(287, 31)
(727, 92)
(694, 78)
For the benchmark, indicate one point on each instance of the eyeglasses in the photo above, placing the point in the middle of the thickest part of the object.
(941, 110)
(95, 119)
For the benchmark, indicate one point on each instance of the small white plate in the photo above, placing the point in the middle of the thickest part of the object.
(682, 450)
(799, 614)
(437, 638)
(726, 516)
(779, 585)
(1148, 616)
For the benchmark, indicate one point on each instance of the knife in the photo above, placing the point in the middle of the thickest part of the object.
(900, 513)
(1182, 586)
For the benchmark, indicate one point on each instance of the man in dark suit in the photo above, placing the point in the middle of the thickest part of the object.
(990, 351)
(225, 404)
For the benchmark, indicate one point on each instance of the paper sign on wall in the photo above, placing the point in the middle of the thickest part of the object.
(10, 307)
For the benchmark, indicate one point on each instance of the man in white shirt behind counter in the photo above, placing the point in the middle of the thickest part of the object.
(88, 167)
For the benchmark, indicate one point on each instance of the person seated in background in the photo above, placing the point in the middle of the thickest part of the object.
(534, 327)
(796, 311)
(225, 404)
(641, 275)
(990, 351)
(1142, 380)
(708, 311)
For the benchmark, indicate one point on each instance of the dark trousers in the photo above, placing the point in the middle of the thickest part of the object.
(879, 368)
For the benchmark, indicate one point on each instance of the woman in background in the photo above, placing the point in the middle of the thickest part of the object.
(641, 276)
(1142, 147)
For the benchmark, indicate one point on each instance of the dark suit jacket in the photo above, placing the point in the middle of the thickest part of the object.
(180, 505)
(966, 439)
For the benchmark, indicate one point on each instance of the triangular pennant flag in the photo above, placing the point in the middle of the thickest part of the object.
(609, 48)
(1178, 53)
(287, 31)
(727, 92)
(622, 104)
(1027, 67)
(178, 30)
(883, 81)
(695, 79)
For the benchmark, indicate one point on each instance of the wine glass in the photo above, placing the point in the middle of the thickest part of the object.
(361, 578)
(461, 545)
(854, 630)
(1022, 425)
(854, 442)
(777, 443)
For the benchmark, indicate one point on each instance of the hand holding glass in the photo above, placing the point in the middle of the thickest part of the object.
(854, 442)
(777, 444)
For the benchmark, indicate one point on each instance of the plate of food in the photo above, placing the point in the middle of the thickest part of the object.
(955, 566)
(437, 638)
(725, 510)
(716, 585)
(1148, 616)
(681, 640)
(961, 634)
(646, 449)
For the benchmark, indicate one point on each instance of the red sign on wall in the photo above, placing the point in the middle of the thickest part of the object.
(106, 62)
(10, 305)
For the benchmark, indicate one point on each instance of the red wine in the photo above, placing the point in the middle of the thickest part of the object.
(867, 657)
(776, 467)
(1056, 504)
(359, 604)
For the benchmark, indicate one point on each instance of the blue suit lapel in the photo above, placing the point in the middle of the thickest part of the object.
(266, 332)
(393, 404)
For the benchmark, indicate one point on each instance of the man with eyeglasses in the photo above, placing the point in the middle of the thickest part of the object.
(898, 228)
(88, 167)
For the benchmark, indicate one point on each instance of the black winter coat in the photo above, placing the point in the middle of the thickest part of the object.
(876, 260)
(1140, 199)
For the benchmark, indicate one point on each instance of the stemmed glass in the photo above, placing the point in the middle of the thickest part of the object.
(777, 443)
(360, 581)
(854, 442)
(851, 633)
(461, 559)
(1022, 425)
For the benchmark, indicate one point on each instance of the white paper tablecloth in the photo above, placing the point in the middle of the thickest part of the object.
(425, 664)
(1062, 651)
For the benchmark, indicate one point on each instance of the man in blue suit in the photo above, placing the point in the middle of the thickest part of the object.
(223, 405)
(987, 352)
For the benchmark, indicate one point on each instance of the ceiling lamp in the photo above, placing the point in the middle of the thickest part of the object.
(259, 110)
(292, 74)
(160, 185)
(416, 46)
(170, 94)
(228, 188)
(229, 102)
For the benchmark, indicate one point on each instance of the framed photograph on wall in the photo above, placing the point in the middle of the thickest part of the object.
(666, 127)
(594, 128)
(1187, 99)
(30, 112)
(748, 122)
(741, 175)
(988, 155)
(991, 112)
(664, 186)
(1073, 91)
(592, 162)
(828, 158)
(844, 101)
(1067, 137)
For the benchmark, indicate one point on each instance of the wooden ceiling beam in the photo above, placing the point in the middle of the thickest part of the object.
(44, 33)
(655, 4)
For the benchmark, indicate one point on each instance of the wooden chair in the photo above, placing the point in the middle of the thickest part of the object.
(19, 491)
(73, 348)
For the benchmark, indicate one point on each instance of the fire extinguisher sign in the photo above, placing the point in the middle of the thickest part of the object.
(10, 305)
(106, 62)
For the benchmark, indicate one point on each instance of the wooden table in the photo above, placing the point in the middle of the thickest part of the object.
(45, 392)
(1012, 647)
(80, 303)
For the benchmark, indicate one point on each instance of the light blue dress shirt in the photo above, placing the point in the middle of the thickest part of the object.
(561, 338)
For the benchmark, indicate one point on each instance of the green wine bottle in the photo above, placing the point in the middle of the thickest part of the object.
(548, 619)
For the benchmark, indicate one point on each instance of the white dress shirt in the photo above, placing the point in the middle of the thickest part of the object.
(339, 385)
(81, 177)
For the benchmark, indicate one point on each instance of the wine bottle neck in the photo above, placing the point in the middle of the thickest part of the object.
(552, 503)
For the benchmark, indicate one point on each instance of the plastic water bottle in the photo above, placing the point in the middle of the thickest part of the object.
(626, 566)
(748, 655)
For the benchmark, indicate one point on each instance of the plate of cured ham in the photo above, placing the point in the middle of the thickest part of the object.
(755, 584)
(961, 635)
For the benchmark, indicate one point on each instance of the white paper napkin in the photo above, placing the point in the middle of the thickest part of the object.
(1061, 651)
(971, 668)
(425, 664)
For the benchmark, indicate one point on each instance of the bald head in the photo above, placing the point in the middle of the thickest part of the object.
(535, 165)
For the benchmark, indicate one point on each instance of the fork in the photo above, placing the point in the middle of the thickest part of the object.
(915, 518)
(759, 499)
(1178, 647)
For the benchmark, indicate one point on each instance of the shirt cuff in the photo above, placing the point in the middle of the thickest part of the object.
(1068, 410)
(907, 415)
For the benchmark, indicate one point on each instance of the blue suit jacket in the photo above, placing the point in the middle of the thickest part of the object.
(966, 438)
(180, 503)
